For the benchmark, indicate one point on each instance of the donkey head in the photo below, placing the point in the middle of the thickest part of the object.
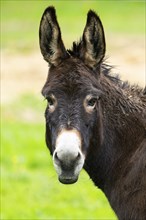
(73, 91)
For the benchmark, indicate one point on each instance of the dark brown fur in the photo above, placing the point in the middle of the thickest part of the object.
(114, 136)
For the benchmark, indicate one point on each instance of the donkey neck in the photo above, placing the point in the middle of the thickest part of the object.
(123, 116)
(123, 130)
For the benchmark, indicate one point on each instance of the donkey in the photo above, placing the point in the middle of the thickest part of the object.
(93, 119)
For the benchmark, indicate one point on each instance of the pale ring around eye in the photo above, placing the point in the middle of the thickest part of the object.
(90, 103)
(52, 103)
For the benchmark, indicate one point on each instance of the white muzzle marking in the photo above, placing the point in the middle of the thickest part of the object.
(68, 158)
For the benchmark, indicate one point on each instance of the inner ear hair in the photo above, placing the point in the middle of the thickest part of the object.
(93, 41)
(51, 43)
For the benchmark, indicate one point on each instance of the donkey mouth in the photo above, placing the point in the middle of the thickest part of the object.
(67, 179)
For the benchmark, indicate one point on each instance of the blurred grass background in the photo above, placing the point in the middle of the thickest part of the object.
(29, 185)
(20, 19)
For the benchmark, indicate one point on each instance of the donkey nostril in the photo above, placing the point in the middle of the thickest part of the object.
(56, 157)
(78, 156)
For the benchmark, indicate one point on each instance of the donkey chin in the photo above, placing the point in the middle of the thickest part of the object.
(67, 157)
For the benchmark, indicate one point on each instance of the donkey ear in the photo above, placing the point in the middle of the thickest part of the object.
(93, 46)
(51, 44)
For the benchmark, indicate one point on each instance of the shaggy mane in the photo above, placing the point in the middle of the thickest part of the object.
(106, 69)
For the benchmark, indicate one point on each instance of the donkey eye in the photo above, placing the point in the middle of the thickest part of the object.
(91, 102)
(50, 101)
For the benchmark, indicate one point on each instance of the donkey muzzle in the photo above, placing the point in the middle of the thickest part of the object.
(68, 158)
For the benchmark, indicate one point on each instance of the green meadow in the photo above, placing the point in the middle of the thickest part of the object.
(29, 186)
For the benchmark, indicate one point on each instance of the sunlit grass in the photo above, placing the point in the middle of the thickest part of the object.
(29, 187)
